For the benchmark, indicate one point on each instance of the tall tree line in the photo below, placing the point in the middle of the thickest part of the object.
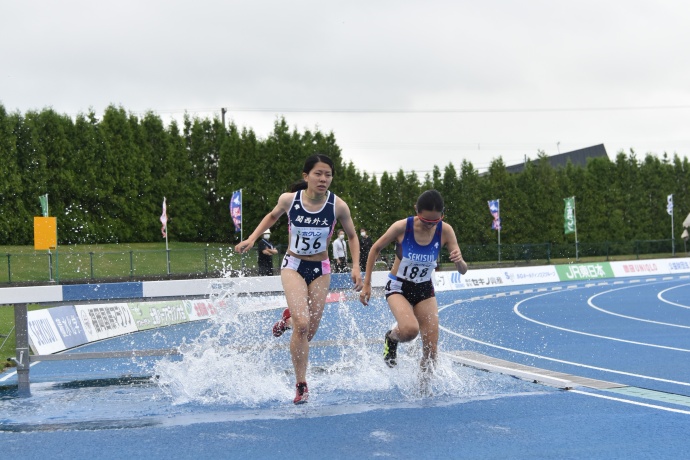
(106, 179)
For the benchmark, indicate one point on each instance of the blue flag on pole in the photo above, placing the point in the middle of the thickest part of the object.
(494, 207)
(236, 210)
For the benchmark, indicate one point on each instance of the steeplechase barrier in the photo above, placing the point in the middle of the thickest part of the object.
(85, 313)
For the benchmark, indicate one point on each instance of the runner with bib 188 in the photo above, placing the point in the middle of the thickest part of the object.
(410, 289)
(306, 269)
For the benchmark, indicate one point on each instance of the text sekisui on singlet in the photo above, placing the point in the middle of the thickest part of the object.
(417, 262)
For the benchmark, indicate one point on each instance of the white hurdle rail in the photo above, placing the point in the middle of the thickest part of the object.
(146, 291)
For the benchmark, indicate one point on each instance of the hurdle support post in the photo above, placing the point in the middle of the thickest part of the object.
(21, 331)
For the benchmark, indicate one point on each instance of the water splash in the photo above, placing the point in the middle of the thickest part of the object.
(233, 369)
(236, 361)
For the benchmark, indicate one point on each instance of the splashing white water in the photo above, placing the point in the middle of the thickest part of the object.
(236, 361)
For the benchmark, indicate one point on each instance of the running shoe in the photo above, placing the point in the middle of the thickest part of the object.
(302, 394)
(282, 325)
(390, 350)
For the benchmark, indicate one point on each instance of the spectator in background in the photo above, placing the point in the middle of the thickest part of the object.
(266, 253)
(364, 248)
(340, 253)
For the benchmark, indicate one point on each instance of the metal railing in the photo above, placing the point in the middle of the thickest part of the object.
(60, 266)
(547, 253)
(70, 266)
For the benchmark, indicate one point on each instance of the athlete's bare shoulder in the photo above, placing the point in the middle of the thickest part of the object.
(448, 234)
(342, 210)
(285, 200)
(396, 229)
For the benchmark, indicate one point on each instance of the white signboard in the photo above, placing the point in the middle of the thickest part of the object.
(650, 267)
(495, 277)
(102, 321)
(44, 337)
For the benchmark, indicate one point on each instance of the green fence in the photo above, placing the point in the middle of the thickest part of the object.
(70, 266)
(547, 253)
(64, 266)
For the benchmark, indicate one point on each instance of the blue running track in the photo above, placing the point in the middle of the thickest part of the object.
(229, 394)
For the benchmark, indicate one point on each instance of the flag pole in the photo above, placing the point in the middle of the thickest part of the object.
(577, 253)
(50, 255)
(164, 221)
(46, 213)
(241, 230)
(673, 239)
(167, 251)
(499, 231)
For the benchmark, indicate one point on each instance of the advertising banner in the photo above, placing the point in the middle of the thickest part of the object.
(105, 320)
(679, 266)
(493, 277)
(199, 309)
(637, 268)
(44, 337)
(569, 224)
(575, 272)
(531, 275)
(445, 281)
(650, 267)
(68, 325)
(261, 302)
(148, 315)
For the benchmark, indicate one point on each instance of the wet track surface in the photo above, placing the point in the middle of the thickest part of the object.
(230, 392)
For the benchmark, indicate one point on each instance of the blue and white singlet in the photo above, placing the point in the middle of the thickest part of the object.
(310, 231)
(417, 262)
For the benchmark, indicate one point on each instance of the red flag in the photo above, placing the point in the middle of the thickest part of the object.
(164, 220)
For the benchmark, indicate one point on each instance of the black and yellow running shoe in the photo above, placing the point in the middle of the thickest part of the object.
(390, 350)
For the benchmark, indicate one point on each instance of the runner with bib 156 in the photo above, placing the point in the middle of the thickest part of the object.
(306, 269)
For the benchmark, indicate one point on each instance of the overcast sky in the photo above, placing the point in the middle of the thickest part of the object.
(401, 84)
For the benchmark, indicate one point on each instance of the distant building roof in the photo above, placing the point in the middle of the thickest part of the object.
(576, 157)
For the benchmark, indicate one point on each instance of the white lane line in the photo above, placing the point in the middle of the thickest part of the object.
(660, 296)
(628, 401)
(605, 337)
(548, 358)
(635, 318)
(13, 373)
